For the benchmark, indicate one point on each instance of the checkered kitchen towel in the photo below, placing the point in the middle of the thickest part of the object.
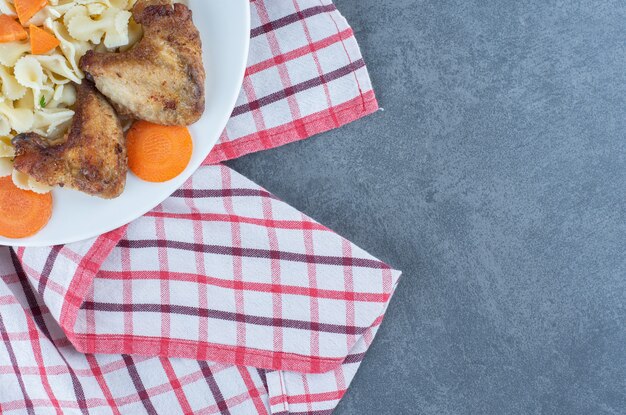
(223, 299)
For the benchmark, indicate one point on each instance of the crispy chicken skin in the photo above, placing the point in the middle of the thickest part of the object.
(161, 79)
(92, 156)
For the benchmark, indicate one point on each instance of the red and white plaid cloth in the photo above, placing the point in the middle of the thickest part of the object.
(223, 299)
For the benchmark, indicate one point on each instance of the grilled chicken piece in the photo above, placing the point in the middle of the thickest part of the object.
(161, 79)
(92, 156)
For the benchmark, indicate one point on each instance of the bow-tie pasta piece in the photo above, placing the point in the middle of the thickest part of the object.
(11, 89)
(20, 180)
(64, 95)
(51, 12)
(25, 182)
(10, 52)
(81, 26)
(57, 69)
(135, 33)
(72, 49)
(6, 166)
(123, 4)
(6, 149)
(27, 101)
(29, 73)
(5, 126)
(51, 122)
(20, 119)
(7, 152)
(119, 4)
(37, 187)
(117, 33)
(96, 8)
(61, 5)
(112, 25)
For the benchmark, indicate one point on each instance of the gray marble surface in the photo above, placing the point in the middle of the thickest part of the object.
(495, 178)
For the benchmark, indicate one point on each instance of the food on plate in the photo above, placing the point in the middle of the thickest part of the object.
(158, 153)
(24, 212)
(161, 79)
(142, 60)
(90, 158)
(41, 41)
(39, 77)
(11, 30)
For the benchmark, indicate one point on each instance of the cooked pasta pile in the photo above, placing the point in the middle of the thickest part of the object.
(37, 91)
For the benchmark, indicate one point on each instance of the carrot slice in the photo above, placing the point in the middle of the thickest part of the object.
(41, 41)
(158, 153)
(23, 213)
(11, 30)
(26, 9)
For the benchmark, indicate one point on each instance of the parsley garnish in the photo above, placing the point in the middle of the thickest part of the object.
(42, 102)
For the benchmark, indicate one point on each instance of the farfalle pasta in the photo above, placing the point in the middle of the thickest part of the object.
(11, 89)
(12, 51)
(37, 92)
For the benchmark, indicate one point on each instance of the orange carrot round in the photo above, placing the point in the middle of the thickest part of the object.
(41, 41)
(158, 153)
(26, 9)
(22, 212)
(11, 30)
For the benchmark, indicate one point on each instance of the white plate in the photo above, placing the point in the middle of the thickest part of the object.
(224, 27)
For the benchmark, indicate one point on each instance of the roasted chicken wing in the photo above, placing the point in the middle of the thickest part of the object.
(92, 156)
(161, 79)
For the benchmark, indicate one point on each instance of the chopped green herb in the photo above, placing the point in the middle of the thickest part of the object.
(42, 102)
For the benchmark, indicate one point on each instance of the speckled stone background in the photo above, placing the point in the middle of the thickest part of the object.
(495, 178)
